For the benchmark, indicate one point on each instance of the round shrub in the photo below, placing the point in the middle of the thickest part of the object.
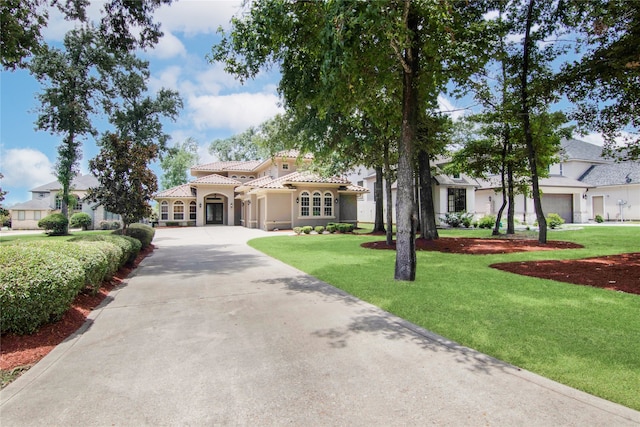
(297, 230)
(55, 224)
(344, 227)
(554, 220)
(94, 262)
(124, 246)
(142, 232)
(331, 228)
(80, 220)
(36, 286)
(487, 221)
(319, 229)
(307, 229)
(599, 219)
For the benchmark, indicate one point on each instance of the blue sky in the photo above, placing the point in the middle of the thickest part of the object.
(215, 104)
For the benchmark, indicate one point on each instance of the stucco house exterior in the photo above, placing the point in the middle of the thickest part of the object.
(276, 193)
(45, 200)
(579, 187)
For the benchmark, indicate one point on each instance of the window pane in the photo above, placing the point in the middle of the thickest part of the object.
(178, 211)
(328, 204)
(192, 210)
(317, 204)
(164, 211)
(304, 204)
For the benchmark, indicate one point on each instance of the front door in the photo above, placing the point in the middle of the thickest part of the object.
(215, 213)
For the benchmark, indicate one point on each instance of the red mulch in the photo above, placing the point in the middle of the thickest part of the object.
(616, 272)
(26, 350)
(463, 245)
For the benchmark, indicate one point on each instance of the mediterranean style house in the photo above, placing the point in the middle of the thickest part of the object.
(277, 193)
(45, 200)
(582, 185)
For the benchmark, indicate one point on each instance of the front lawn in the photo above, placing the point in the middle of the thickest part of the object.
(585, 337)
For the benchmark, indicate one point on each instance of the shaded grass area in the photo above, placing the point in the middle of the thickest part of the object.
(585, 337)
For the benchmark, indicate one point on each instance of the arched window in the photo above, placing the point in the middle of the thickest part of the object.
(243, 177)
(178, 211)
(328, 204)
(164, 210)
(317, 203)
(304, 203)
(192, 210)
(234, 176)
(251, 177)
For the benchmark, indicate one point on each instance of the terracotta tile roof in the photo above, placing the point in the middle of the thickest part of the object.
(180, 192)
(239, 166)
(304, 177)
(258, 182)
(356, 189)
(292, 154)
(214, 178)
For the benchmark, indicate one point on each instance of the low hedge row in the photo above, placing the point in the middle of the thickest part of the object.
(40, 279)
(331, 228)
(142, 232)
(37, 286)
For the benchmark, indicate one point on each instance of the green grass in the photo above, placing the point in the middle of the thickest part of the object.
(40, 236)
(585, 337)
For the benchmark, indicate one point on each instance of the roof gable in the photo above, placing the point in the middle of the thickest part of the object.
(183, 191)
(574, 149)
(612, 174)
(79, 183)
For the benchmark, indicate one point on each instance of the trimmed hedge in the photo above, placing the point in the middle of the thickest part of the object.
(142, 232)
(55, 224)
(93, 260)
(37, 286)
(80, 219)
(129, 246)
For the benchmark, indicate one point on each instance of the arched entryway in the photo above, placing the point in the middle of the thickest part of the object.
(215, 211)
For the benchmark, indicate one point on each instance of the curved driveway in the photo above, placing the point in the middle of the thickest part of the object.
(211, 332)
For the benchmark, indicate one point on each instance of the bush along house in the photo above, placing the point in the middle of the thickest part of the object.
(273, 194)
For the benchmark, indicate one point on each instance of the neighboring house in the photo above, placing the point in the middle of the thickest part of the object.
(450, 193)
(582, 185)
(45, 200)
(271, 194)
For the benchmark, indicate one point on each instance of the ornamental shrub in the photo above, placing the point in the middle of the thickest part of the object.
(113, 252)
(37, 286)
(115, 225)
(80, 220)
(307, 229)
(554, 220)
(94, 262)
(599, 219)
(487, 221)
(344, 227)
(331, 228)
(297, 230)
(55, 224)
(104, 225)
(142, 232)
(319, 229)
(456, 219)
(129, 246)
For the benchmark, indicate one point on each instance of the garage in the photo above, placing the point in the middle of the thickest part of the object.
(562, 204)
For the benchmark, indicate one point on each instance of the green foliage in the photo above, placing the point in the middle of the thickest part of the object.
(456, 219)
(554, 220)
(93, 261)
(142, 232)
(297, 230)
(55, 224)
(80, 219)
(487, 221)
(307, 229)
(110, 249)
(176, 163)
(331, 228)
(129, 247)
(319, 229)
(599, 219)
(36, 286)
(126, 183)
(344, 227)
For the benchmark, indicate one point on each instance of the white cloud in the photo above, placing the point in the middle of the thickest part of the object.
(235, 112)
(169, 46)
(167, 78)
(447, 107)
(26, 168)
(197, 16)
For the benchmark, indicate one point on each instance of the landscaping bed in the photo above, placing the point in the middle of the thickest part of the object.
(19, 352)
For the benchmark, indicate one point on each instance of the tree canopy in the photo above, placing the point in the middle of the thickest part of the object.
(176, 163)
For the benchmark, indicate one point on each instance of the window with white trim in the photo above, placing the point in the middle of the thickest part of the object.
(304, 203)
(164, 210)
(317, 203)
(328, 204)
(285, 166)
(192, 210)
(178, 210)
(37, 215)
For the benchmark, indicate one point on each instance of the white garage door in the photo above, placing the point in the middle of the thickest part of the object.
(562, 204)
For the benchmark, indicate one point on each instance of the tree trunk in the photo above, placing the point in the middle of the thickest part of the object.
(427, 210)
(405, 268)
(503, 184)
(378, 226)
(537, 203)
(510, 193)
(388, 180)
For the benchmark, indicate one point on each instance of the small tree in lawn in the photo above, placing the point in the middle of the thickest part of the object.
(126, 183)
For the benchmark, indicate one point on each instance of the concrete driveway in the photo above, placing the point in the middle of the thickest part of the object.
(211, 332)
